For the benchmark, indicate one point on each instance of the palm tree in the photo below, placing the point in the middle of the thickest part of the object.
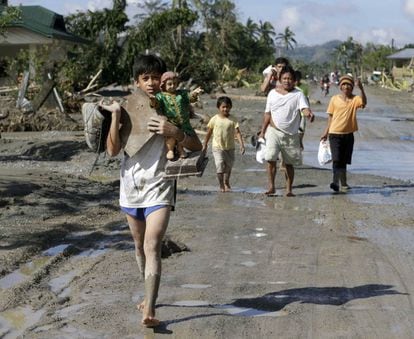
(287, 39)
(252, 29)
(149, 8)
(267, 32)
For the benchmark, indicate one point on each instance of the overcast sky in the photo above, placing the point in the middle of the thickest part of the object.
(313, 22)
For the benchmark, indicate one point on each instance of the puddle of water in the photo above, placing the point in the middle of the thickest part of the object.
(12, 279)
(251, 190)
(192, 303)
(22, 274)
(76, 235)
(55, 250)
(260, 235)
(249, 312)
(379, 195)
(318, 221)
(248, 263)
(95, 252)
(71, 310)
(65, 293)
(92, 253)
(120, 229)
(195, 286)
(397, 237)
(14, 322)
(385, 158)
(76, 332)
(58, 284)
(406, 138)
(249, 203)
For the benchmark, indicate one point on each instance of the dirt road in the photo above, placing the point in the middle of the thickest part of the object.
(319, 265)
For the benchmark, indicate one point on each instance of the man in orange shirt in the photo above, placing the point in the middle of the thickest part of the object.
(342, 123)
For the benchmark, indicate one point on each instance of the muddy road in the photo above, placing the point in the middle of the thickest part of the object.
(237, 265)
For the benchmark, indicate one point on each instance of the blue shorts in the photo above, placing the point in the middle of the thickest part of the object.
(141, 213)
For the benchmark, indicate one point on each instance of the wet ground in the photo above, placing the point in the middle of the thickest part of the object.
(318, 265)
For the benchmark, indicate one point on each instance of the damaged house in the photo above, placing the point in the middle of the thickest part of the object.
(36, 28)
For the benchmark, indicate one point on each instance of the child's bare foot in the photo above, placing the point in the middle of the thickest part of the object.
(227, 188)
(222, 189)
(270, 191)
(289, 194)
(183, 155)
(150, 322)
(170, 155)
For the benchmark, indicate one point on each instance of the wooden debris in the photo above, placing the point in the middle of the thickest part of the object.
(23, 89)
(91, 84)
(135, 116)
(46, 89)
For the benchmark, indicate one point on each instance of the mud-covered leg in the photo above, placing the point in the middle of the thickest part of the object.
(157, 223)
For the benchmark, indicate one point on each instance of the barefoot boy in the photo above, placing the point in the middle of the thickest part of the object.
(145, 197)
(223, 128)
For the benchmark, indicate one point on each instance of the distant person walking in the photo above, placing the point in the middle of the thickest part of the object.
(223, 128)
(280, 128)
(342, 123)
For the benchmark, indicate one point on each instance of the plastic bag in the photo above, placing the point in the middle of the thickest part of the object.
(324, 153)
(260, 150)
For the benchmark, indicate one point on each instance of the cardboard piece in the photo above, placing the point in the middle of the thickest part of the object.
(135, 116)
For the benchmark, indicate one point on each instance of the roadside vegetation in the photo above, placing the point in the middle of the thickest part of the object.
(203, 40)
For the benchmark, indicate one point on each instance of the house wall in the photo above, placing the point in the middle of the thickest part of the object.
(20, 39)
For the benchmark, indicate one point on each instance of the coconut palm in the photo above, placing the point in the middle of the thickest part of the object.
(287, 39)
(252, 29)
(267, 32)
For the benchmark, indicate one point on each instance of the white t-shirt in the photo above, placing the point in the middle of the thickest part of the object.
(267, 70)
(142, 184)
(285, 109)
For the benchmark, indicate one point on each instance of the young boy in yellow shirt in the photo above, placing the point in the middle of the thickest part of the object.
(224, 128)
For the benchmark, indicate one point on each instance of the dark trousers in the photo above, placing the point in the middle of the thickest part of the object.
(342, 146)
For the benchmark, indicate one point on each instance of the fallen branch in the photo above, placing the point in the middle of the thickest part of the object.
(92, 82)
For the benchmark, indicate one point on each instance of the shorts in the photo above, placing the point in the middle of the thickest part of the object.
(224, 160)
(141, 213)
(288, 145)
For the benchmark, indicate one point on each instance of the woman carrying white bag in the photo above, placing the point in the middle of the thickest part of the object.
(324, 153)
(342, 123)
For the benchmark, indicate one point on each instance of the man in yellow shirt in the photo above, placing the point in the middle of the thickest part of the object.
(342, 123)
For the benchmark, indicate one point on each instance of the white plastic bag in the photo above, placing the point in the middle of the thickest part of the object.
(324, 153)
(260, 150)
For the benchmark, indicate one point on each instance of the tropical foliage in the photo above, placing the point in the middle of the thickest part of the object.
(203, 40)
(7, 16)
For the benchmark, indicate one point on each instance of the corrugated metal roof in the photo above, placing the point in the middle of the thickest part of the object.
(406, 53)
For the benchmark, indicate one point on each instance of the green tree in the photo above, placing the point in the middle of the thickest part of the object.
(349, 55)
(375, 57)
(287, 39)
(7, 16)
(267, 33)
(103, 29)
